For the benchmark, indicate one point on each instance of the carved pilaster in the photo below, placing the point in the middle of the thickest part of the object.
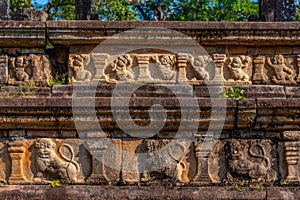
(259, 70)
(298, 65)
(202, 154)
(181, 63)
(97, 149)
(3, 68)
(291, 157)
(143, 66)
(16, 152)
(219, 60)
(99, 61)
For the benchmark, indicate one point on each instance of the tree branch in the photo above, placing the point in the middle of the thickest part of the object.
(140, 9)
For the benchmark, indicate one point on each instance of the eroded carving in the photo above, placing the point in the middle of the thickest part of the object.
(291, 153)
(119, 70)
(3, 68)
(54, 164)
(78, 68)
(238, 68)
(200, 63)
(167, 66)
(29, 69)
(176, 169)
(283, 72)
(16, 152)
(250, 159)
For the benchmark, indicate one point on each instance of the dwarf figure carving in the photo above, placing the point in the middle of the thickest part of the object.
(17, 68)
(238, 67)
(284, 73)
(167, 66)
(119, 70)
(78, 68)
(55, 165)
(200, 64)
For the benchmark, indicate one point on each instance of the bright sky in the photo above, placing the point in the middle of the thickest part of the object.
(41, 1)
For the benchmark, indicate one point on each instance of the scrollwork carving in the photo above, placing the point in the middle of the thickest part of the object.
(250, 159)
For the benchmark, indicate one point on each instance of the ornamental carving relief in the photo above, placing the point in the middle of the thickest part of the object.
(119, 70)
(78, 68)
(289, 152)
(176, 169)
(53, 164)
(33, 69)
(238, 69)
(281, 70)
(250, 159)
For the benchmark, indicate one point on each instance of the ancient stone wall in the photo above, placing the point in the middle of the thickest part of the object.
(53, 102)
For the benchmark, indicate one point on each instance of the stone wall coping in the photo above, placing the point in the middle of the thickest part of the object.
(67, 33)
(22, 34)
(175, 25)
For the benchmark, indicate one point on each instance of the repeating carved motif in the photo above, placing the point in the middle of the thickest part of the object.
(167, 66)
(78, 72)
(3, 68)
(250, 159)
(291, 153)
(29, 69)
(283, 72)
(16, 152)
(238, 69)
(54, 164)
(177, 169)
(119, 70)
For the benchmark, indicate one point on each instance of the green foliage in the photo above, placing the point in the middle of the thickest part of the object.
(19, 5)
(233, 92)
(113, 10)
(58, 9)
(55, 183)
(62, 81)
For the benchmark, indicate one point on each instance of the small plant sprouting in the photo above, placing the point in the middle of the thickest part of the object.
(233, 92)
(55, 183)
(63, 80)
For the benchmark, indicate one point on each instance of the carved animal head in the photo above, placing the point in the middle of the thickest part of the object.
(236, 62)
(45, 148)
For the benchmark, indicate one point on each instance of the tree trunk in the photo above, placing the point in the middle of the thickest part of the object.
(277, 10)
(4, 9)
(83, 9)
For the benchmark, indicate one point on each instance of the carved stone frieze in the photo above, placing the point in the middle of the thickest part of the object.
(33, 69)
(238, 69)
(53, 164)
(163, 160)
(251, 160)
(281, 71)
(78, 68)
(119, 70)
(298, 66)
(260, 73)
(167, 67)
(219, 60)
(289, 157)
(17, 154)
(3, 68)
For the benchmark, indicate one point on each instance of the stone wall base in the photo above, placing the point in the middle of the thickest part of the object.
(91, 192)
